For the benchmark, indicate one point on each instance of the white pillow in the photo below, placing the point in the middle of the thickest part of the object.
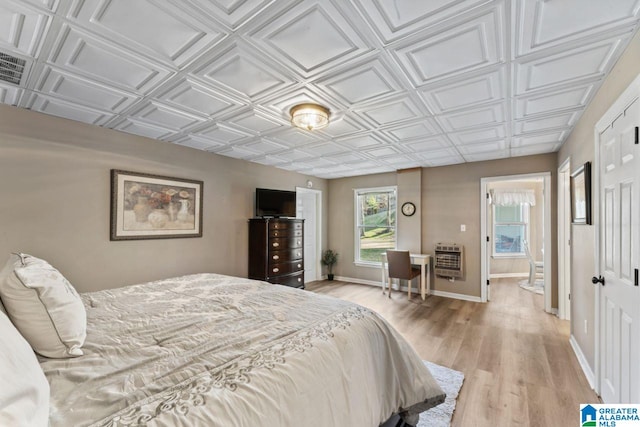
(24, 394)
(44, 306)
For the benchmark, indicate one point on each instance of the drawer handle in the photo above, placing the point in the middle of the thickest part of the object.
(299, 279)
(275, 225)
(275, 234)
(276, 244)
(298, 242)
(299, 265)
(275, 270)
(298, 253)
(276, 257)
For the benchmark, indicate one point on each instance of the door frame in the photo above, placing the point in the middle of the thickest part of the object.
(626, 98)
(484, 182)
(564, 239)
(318, 194)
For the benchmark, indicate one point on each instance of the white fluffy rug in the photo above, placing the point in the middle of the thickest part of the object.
(450, 381)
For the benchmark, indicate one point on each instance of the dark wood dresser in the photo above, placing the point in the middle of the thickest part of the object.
(276, 251)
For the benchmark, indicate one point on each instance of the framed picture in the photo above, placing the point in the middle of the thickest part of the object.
(145, 206)
(581, 195)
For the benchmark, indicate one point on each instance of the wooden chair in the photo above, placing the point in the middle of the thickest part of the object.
(399, 263)
(535, 267)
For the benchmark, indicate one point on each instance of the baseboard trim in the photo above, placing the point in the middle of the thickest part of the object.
(454, 295)
(358, 281)
(582, 360)
(507, 275)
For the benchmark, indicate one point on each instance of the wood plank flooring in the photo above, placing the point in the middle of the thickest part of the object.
(519, 367)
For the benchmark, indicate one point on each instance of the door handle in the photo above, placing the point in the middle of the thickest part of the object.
(596, 280)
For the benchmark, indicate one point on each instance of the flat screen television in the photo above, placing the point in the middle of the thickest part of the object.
(275, 203)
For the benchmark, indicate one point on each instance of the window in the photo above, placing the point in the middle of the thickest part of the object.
(510, 230)
(375, 232)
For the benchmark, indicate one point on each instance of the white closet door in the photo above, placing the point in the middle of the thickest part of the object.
(307, 209)
(619, 259)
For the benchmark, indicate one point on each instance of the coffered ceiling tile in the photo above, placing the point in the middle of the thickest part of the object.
(137, 127)
(232, 13)
(68, 110)
(320, 162)
(83, 91)
(421, 128)
(324, 149)
(430, 144)
(553, 102)
(483, 147)
(294, 155)
(91, 58)
(447, 156)
(394, 20)
(198, 98)
(243, 70)
(444, 161)
(465, 47)
(467, 92)
(257, 122)
(294, 137)
(345, 126)
(10, 94)
(221, 133)
(382, 151)
(487, 115)
(264, 146)
(547, 138)
(168, 34)
(22, 29)
(391, 112)
(542, 24)
(199, 143)
(477, 136)
(48, 5)
(365, 83)
(563, 120)
(237, 152)
(165, 116)
(270, 160)
(311, 37)
(362, 141)
(588, 62)
(530, 150)
(348, 157)
(489, 155)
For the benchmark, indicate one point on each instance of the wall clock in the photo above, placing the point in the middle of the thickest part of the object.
(408, 209)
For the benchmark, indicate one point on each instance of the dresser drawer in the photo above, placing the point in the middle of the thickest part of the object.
(279, 243)
(285, 232)
(279, 268)
(295, 280)
(285, 255)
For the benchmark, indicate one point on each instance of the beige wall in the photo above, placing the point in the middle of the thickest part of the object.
(54, 182)
(450, 197)
(579, 147)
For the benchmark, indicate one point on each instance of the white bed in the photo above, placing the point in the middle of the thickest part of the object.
(214, 350)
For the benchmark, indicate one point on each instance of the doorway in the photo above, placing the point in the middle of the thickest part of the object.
(309, 207)
(507, 238)
(564, 240)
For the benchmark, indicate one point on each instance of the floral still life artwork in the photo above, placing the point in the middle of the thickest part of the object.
(145, 206)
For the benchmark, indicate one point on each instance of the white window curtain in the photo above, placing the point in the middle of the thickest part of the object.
(512, 197)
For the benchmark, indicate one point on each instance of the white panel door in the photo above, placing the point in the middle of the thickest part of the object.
(619, 259)
(307, 208)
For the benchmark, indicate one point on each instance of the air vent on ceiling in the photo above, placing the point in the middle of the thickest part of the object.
(11, 68)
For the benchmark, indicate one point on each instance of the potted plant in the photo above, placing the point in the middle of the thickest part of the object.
(329, 258)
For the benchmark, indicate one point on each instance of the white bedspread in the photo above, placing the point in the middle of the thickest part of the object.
(213, 350)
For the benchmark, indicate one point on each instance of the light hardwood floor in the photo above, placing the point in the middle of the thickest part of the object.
(518, 364)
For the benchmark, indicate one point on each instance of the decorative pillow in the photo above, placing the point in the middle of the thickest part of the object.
(24, 394)
(44, 306)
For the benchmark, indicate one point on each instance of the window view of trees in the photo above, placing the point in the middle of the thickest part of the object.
(376, 228)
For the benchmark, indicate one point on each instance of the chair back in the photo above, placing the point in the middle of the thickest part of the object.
(399, 264)
(528, 253)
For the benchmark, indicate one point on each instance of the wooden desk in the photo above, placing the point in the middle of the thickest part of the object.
(423, 260)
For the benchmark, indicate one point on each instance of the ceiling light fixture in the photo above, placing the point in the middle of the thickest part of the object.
(309, 116)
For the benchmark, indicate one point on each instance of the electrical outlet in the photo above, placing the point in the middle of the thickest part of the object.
(586, 329)
(463, 227)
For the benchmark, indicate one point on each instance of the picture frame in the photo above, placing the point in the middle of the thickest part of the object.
(581, 195)
(146, 206)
